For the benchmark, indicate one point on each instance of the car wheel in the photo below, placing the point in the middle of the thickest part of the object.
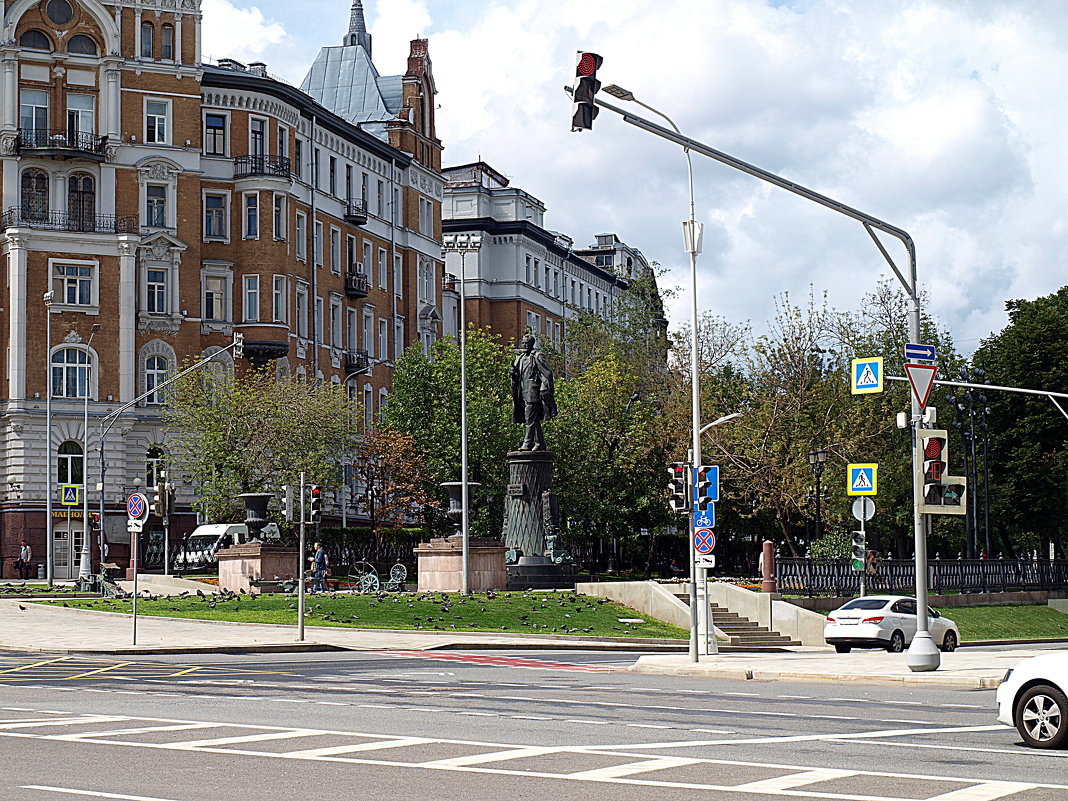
(897, 643)
(949, 642)
(843, 649)
(1040, 715)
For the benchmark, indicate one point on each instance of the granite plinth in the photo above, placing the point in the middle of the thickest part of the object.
(441, 565)
(543, 576)
(241, 565)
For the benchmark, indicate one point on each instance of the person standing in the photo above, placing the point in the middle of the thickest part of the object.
(320, 567)
(22, 564)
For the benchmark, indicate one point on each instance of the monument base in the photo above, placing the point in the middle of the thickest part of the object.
(539, 573)
(242, 565)
(441, 565)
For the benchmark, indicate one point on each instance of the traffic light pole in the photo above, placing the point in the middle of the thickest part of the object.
(300, 567)
(923, 655)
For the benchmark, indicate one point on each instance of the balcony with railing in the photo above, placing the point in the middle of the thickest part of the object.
(63, 143)
(356, 211)
(356, 283)
(16, 217)
(356, 360)
(272, 166)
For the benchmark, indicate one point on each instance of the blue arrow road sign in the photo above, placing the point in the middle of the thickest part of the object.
(705, 518)
(711, 493)
(925, 353)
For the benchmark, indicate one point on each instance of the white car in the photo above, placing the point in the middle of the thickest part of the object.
(884, 621)
(1032, 697)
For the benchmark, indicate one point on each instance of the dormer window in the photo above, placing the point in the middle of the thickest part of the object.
(81, 45)
(35, 40)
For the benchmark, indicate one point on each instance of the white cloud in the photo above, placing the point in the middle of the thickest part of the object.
(240, 33)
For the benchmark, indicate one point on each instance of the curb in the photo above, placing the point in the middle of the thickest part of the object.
(162, 650)
(747, 674)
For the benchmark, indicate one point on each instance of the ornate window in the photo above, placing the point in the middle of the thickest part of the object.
(35, 195)
(167, 43)
(81, 201)
(59, 12)
(70, 373)
(35, 40)
(71, 463)
(157, 370)
(156, 286)
(147, 36)
(81, 45)
(73, 283)
(155, 463)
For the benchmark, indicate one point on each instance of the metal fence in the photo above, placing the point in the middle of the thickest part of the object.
(837, 577)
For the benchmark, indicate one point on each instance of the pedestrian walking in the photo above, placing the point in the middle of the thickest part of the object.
(320, 568)
(22, 564)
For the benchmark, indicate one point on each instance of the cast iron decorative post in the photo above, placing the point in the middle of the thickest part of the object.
(818, 459)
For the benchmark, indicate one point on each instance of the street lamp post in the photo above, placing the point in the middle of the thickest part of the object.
(818, 459)
(85, 563)
(692, 233)
(49, 545)
(463, 244)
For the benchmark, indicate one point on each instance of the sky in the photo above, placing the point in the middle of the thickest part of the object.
(945, 118)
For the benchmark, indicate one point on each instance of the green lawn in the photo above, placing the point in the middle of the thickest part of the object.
(1007, 622)
(518, 612)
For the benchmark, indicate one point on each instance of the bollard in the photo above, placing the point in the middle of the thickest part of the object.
(768, 583)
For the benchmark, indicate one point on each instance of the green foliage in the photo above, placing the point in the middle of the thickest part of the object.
(832, 545)
(253, 433)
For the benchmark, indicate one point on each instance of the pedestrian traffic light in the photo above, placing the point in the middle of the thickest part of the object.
(94, 521)
(858, 553)
(239, 344)
(586, 87)
(677, 487)
(287, 503)
(869, 563)
(942, 493)
(316, 508)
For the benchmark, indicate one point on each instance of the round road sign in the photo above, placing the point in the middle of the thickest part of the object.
(863, 508)
(137, 506)
(704, 541)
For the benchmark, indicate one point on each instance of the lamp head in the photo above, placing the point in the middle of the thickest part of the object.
(619, 92)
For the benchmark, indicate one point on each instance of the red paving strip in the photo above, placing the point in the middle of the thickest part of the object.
(503, 661)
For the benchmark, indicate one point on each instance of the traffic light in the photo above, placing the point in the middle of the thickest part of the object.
(942, 493)
(316, 509)
(287, 503)
(239, 344)
(869, 563)
(159, 500)
(586, 87)
(706, 486)
(677, 487)
(94, 521)
(858, 554)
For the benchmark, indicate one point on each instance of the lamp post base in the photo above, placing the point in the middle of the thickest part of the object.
(923, 654)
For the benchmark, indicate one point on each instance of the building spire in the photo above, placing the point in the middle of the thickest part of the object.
(358, 34)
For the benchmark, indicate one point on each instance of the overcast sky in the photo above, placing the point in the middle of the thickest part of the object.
(943, 117)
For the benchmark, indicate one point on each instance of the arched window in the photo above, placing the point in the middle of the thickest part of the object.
(81, 202)
(155, 462)
(167, 43)
(157, 370)
(71, 463)
(35, 40)
(70, 373)
(35, 195)
(147, 35)
(81, 45)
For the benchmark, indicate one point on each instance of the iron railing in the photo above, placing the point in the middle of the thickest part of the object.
(356, 284)
(356, 360)
(277, 166)
(356, 211)
(61, 140)
(799, 576)
(16, 217)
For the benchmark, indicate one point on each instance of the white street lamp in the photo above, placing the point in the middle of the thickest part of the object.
(463, 244)
(692, 234)
(49, 555)
(85, 564)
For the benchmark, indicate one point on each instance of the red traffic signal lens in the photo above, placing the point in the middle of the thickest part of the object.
(588, 64)
(932, 449)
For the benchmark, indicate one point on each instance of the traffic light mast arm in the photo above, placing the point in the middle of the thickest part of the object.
(1018, 390)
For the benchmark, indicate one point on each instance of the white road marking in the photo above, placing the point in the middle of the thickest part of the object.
(780, 783)
(493, 756)
(378, 745)
(140, 730)
(940, 747)
(987, 791)
(246, 738)
(714, 731)
(630, 768)
(90, 793)
(61, 722)
(646, 726)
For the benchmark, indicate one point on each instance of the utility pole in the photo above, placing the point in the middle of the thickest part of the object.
(300, 566)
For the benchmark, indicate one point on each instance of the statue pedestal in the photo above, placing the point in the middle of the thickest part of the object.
(258, 561)
(530, 473)
(441, 565)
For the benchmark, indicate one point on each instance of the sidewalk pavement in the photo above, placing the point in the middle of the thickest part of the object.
(969, 669)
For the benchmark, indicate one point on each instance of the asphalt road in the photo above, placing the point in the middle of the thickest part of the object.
(486, 726)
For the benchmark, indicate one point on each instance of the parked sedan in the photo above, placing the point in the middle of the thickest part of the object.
(884, 621)
(1032, 697)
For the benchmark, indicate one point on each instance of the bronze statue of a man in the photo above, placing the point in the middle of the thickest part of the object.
(533, 393)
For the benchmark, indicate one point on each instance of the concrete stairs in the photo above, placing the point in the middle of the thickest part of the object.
(743, 632)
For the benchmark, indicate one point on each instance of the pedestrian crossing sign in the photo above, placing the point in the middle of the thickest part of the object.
(68, 494)
(863, 479)
(867, 375)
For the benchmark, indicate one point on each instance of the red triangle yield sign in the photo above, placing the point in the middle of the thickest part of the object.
(921, 377)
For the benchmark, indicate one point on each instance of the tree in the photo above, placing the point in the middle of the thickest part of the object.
(425, 405)
(254, 433)
(1028, 436)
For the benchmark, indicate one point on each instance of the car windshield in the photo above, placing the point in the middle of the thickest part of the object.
(865, 603)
